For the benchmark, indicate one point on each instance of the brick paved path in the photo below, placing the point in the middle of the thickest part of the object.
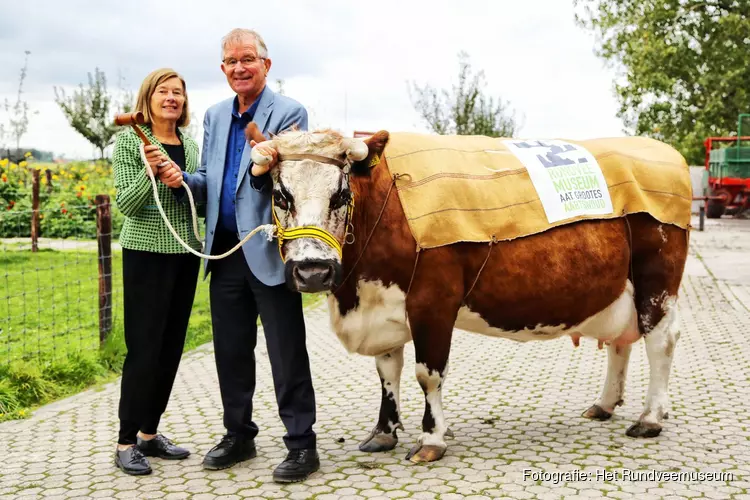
(511, 406)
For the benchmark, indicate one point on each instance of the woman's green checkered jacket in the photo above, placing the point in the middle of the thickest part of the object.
(144, 228)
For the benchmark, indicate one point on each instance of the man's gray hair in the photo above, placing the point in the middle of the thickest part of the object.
(239, 34)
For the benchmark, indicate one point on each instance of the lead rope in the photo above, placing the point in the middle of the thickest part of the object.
(269, 229)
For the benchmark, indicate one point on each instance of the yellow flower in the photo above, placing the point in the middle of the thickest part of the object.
(55, 177)
(23, 164)
(4, 162)
(28, 154)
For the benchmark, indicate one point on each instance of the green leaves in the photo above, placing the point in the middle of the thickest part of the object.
(466, 110)
(683, 69)
(88, 111)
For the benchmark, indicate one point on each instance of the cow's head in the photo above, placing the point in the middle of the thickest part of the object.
(313, 202)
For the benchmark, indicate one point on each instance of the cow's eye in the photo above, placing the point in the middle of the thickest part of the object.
(280, 200)
(340, 199)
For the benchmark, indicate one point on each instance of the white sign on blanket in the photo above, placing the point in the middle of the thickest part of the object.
(567, 177)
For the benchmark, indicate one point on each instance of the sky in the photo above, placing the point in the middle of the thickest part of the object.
(348, 62)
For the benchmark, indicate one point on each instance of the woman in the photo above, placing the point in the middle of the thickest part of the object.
(159, 275)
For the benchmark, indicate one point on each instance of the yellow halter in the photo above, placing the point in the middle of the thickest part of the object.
(318, 233)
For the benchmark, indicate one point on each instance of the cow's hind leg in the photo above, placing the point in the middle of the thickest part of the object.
(659, 255)
(614, 385)
(660, 345)
(383, 436)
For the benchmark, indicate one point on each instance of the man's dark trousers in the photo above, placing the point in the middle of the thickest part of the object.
(237, 298)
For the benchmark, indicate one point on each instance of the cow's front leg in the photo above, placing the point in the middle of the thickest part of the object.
(614, 385)
(432, 341)
(383, 437)
(431, 444)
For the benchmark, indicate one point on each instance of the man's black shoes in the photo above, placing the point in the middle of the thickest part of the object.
(162, 447)
(231, 450)
(298, 465)
(132, 461)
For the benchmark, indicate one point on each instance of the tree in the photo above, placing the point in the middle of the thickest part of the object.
(88, 111)
(682, 65)
(466, 110)
(18, 122)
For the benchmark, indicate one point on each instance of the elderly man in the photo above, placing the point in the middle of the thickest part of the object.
(250, 282)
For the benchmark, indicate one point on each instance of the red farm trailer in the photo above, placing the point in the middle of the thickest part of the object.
(726, 180)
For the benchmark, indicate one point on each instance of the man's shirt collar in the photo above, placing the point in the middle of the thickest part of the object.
(250, 113)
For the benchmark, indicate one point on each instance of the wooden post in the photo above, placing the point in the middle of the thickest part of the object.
(48, 174)
(702, 216)
(104, 245)
(35, 210)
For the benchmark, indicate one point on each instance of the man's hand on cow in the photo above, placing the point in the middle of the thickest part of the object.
(154, 157)
(171, 175)
(259, 170)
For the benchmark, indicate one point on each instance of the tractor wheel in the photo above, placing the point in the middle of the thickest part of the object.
(716, 208)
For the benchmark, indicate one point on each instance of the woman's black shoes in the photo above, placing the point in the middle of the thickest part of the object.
(162, 447)
(132, 461)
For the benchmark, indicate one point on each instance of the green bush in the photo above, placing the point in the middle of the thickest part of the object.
(8, 397)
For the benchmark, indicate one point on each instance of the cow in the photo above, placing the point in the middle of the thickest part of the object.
(614, 280)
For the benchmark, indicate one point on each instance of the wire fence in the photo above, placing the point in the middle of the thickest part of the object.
(63, 294)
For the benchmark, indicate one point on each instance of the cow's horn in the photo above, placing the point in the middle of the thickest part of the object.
(259, 158)
(356, 149)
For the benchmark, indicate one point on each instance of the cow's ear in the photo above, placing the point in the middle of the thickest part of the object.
(375, 146)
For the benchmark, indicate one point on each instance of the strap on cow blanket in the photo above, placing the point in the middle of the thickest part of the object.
(413, 272)
(492, 243)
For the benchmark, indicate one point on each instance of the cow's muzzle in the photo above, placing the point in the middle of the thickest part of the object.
(312, 276)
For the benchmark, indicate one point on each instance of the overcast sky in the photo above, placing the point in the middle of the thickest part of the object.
(348, 62)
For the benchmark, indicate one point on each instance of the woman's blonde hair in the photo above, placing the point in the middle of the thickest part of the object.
(148, 87)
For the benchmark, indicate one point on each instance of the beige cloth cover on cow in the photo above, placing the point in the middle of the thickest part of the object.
(469, 188)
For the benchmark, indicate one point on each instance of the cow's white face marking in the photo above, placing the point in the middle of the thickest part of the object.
(616, 321)
(377, 325)
(308, 193)
(312, 191)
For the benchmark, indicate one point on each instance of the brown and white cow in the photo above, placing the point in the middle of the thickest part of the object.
(582, 279)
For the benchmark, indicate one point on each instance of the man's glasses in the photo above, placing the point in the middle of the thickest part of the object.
(246, 62)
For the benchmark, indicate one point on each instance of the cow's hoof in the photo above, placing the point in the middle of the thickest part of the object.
(378, 441)
(425, 453)
(596, 412)
(644, 429)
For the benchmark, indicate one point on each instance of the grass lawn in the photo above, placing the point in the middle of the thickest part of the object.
(49, 326)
